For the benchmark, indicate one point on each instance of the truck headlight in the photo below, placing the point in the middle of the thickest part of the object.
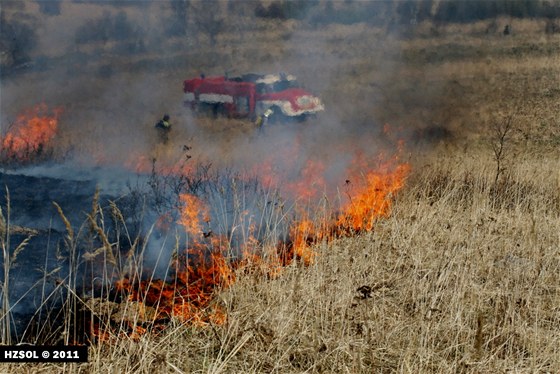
(306, 101)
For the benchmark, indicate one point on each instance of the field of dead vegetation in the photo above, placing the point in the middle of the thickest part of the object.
(463, 275)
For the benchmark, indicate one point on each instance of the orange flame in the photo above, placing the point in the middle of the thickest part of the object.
(31, 133)
(193, 212)
(204, 268)
(188, 297)
(310, 183)
(198, 273)
(372, 199)
(302, 236)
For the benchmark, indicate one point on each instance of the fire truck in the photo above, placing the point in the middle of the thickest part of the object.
(254, 96)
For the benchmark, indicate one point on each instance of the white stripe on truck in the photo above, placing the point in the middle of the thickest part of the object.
(216, 98)
(189, 96)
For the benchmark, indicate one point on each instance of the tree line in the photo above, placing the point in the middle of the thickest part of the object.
(18, 35)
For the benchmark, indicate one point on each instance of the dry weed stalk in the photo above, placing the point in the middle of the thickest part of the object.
(9, 260)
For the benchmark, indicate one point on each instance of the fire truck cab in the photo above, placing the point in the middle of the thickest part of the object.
(250, 96)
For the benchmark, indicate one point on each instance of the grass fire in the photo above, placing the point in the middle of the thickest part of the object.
(29, 136)
(172, 197)
(209, 258)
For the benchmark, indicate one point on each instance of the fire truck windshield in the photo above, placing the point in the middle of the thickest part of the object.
(277, 86)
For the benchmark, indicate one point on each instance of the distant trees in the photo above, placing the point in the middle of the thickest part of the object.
(285, 9)
(202, 19)
(195, 18)
(406, 11)
(413, 11)
(105, 28)
(469, 11)
(110, 27)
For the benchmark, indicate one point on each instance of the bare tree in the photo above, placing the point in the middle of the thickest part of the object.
(501, 129)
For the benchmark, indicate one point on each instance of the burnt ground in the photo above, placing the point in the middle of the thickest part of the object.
(41, 270)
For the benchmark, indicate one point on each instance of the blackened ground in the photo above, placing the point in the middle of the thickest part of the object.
(39, 275)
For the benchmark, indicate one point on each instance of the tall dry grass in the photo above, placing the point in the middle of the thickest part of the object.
(462, 277)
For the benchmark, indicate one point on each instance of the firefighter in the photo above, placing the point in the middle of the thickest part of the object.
(163, 127)
(263, 119)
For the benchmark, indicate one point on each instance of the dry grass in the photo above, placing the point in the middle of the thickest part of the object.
(458, 279)
(462, 277)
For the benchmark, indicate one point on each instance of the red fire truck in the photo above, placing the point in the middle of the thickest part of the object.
(251, 96)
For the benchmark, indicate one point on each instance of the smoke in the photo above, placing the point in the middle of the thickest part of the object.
(113, 94)
(115, 68)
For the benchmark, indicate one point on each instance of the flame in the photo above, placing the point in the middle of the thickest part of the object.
(302, 233)
(372, 199)
(31, 133)
(198, 273)
(309, 184)
(204, 268)
(188, 297)
(192, 214)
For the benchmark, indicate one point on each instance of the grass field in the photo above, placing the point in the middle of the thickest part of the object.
(462, 277)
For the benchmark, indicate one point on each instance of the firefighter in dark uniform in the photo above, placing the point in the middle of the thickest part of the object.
(262, 120)
(163, 128)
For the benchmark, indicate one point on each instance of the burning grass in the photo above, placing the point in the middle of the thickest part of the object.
(450, 281)
(211, 258)
(459, 277)
(210, 248)
(443, 284)
(29, 137)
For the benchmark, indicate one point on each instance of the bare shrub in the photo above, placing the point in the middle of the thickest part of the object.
(501, 129)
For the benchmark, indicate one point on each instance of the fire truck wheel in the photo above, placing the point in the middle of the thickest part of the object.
(276, 117)
(301, 118)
